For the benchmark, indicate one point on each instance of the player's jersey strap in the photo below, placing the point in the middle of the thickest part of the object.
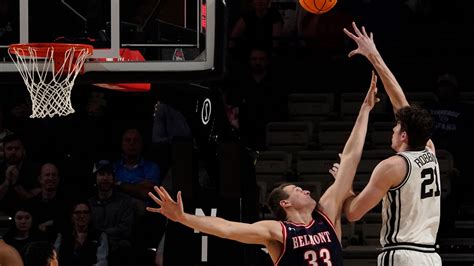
(410, 246)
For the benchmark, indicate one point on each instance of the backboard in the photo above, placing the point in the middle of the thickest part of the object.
(180, 40)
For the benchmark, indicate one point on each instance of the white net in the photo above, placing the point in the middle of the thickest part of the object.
(49, 77)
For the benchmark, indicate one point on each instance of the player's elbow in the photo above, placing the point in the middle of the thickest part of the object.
(351, 213)
(353, 217)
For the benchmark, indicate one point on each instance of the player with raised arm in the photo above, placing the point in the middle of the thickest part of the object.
(308, 232)
(408, 182)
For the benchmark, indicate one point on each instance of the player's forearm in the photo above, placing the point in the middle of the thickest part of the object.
(390, 83)
(355, 142)
(351, 155)
(208, 224)
(349, 210)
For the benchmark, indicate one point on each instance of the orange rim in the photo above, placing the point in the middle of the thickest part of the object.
(41, 49)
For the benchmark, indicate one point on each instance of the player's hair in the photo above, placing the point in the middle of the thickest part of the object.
(38, 253)
(277, 195)
(417, 123)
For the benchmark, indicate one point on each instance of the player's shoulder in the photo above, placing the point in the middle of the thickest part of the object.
(392, 161)
(272, 225)
(274, 228)
(393, 167)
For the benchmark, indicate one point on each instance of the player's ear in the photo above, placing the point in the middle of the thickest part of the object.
(404, 136)
(284, 203)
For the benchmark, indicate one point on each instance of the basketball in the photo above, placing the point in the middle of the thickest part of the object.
(318, 6)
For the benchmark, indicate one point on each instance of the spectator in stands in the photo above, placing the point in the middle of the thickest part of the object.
(135, 176)
(112, 212)
(452, 119)
(261, 25)
(452, 131)
(82, 244)
(22, 232)
(50, 205)
(17, 113)
(40, 253)
(17, 175)
(9, 255)
(260, 98)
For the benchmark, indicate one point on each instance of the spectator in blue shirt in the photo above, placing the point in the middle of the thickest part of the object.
(136, 176)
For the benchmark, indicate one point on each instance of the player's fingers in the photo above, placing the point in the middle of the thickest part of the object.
(348, 33)
(150, 209)
(371, 36)
(352, 53)
(364, 32)
(356, 30)
(179, 199)
(155, 199)
(161, 194)
(167, 194)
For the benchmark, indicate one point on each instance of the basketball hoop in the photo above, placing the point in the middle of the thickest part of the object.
(49, 71)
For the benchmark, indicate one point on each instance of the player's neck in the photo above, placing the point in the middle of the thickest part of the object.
(403, 147)
(300, 217)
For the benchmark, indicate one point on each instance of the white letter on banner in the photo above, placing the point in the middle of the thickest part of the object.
(200, 212)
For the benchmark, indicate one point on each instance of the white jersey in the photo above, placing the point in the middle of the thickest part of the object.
(411, 211)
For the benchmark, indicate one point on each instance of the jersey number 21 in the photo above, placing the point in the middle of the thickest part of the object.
(429, 176)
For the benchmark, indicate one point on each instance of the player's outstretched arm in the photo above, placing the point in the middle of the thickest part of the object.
(332, 200)
(262, 232)
(366, 47)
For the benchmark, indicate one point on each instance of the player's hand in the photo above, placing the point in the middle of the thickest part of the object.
(335, 168)
(173, 210)
(365, 42)
(371, 97)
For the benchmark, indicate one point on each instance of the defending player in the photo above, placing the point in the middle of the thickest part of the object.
(309, 232)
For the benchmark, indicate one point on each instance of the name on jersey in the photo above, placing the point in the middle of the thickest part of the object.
(425, 158)
(307, 240)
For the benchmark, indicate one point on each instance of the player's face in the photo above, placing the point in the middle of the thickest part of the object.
(299, 198)
(396, 137)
